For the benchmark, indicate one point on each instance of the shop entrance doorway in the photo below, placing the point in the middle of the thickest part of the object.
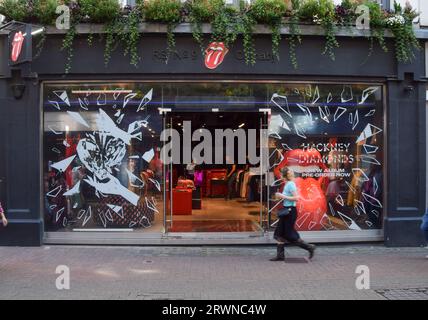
(216, 186)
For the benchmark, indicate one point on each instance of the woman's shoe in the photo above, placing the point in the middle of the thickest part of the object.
(280, 254)
(311, 250)
(308, 247)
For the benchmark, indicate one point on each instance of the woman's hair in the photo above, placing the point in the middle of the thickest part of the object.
(284, 172)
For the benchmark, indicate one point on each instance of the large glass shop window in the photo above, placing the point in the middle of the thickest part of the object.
(102, 165)
(331, 136)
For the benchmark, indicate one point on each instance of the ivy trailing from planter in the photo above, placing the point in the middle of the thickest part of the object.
(67, 46)
(113, 30)
(247, 27)
(130, 34)
(44, 12)
(322, 12)
(330, 33)
(227, 22)
(294, 37)
(401, 25)
(199, 12)
(377, 26)
(225, 26)
(164, 11)
(40, 44)
(270, 12)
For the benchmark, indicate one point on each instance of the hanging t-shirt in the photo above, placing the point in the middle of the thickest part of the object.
(289, 190)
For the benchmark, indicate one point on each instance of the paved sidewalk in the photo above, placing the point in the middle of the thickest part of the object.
(212, 273)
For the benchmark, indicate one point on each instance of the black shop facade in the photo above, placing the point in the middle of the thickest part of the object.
(82, 154)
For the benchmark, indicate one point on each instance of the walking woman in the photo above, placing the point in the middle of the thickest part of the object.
(2, 216)
(285, 230)
(424, 227)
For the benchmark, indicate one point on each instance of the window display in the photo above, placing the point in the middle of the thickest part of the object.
(331, 136)
(103, 165)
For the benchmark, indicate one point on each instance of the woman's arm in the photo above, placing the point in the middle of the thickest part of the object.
(295, 196)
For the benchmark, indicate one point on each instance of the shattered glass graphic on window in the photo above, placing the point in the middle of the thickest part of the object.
(102, 165)
(334, 144)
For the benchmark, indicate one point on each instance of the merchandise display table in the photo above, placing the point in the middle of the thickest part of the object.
(182, 201)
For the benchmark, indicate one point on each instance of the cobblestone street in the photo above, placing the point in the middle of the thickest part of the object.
(212, 273)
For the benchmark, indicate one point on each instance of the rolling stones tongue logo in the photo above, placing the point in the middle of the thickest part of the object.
(17, 42)
(214, 54)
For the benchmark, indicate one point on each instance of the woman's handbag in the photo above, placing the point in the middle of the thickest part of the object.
(284, 212)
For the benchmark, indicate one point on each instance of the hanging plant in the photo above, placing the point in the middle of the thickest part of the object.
(44, 12)
(99, 11)
(247, 25)
(294, 37)
(40, 44)
(67, 46)
(18, 10)
(225, 25)
(131, 36)
(68, 41)
(164, 11)
(330, 33)
(227, 22)
(114, 30)
(401, 25)
(199, 12)
(377, 25)
(90, 38)
(270, 12)
(322, 12)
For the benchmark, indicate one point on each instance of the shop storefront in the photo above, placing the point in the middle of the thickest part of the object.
(83, 156)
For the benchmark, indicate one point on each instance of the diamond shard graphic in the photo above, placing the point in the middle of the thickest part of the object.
(369, 159)
(339, 112)
(117, 209)
(54, 192)
(63, 96)
(149, 155)
(367, 93)
(73, 191)
(372, 200)
(146, 99)
(360, 174)
(324, 113)
(282, 103)
(76, 116)
(369, 131)
(352, 225)
(346, 94)
(63, 165)
(370, 149)
(339, 200)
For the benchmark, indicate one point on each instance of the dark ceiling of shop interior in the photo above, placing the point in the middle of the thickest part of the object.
(218, 120)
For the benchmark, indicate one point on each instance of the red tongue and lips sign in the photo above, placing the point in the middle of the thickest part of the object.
(18, 40)
(214, 54)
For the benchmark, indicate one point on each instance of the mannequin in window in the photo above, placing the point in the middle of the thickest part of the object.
(231, 175)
